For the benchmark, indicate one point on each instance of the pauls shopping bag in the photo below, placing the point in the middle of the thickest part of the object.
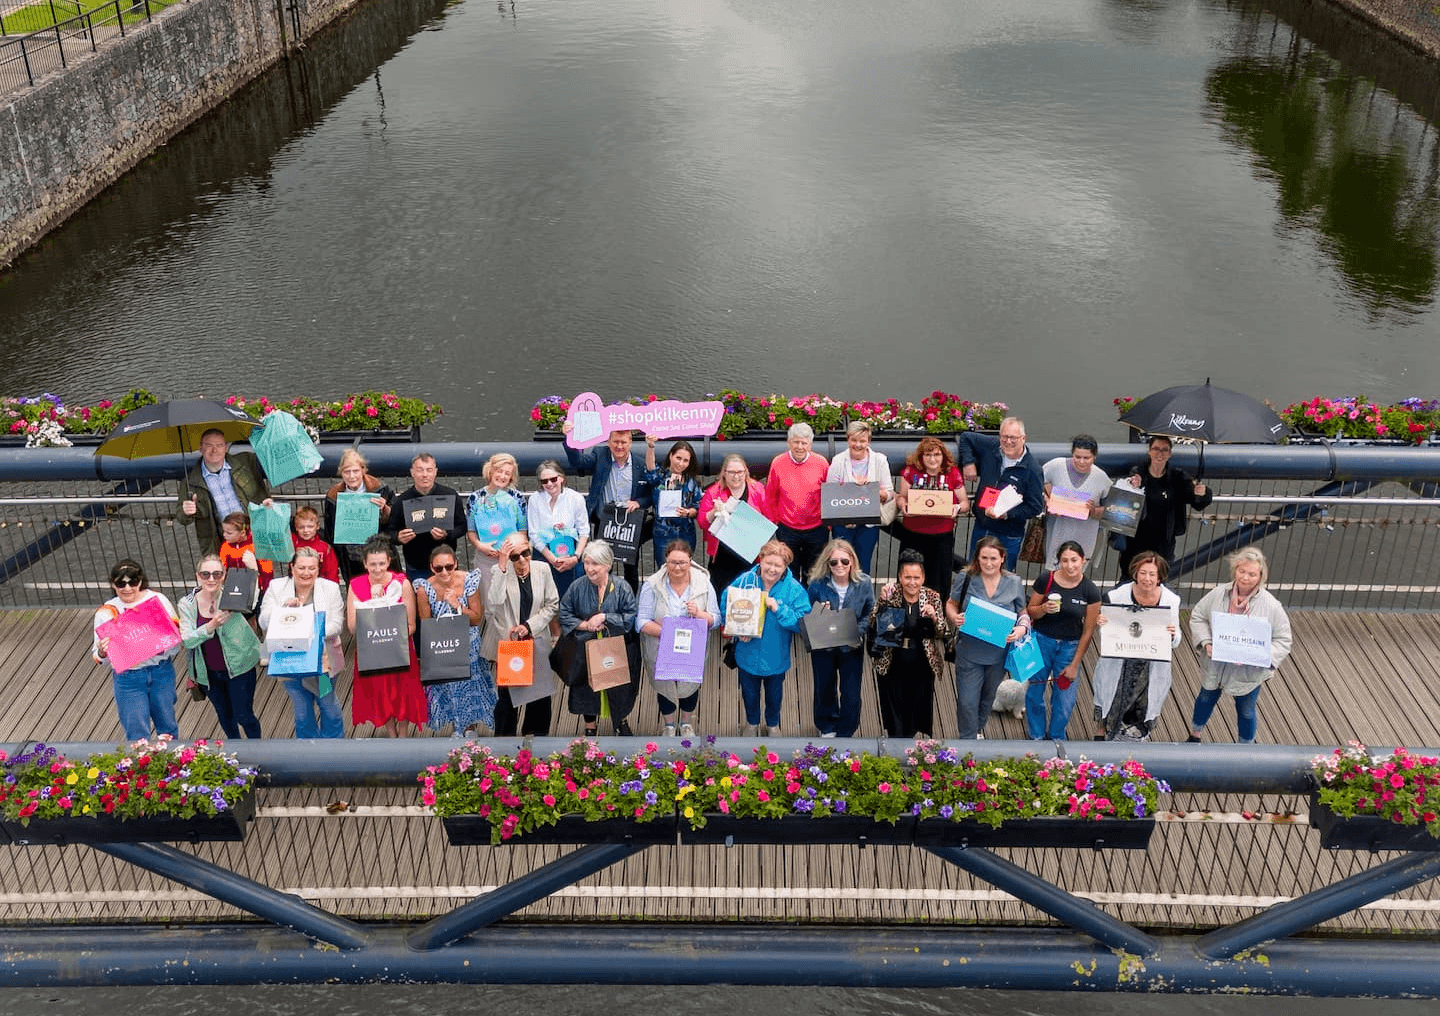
(444, 646)
(383, 639)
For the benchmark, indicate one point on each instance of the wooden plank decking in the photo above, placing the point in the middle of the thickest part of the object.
(1370, 677)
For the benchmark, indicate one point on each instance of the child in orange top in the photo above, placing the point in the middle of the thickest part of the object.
(238, 549)
(305, 532)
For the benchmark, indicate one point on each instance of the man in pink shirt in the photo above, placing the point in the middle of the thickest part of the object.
(794, 489)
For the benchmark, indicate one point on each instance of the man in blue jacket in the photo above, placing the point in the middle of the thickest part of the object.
(997, 464)
(616, 478)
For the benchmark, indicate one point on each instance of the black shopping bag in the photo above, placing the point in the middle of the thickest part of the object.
(444, 649)
(620, 528)
(830, 629)
(239, 591)
(383, 639)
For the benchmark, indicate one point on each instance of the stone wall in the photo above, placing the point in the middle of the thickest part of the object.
(1417, 22)
(78, 130)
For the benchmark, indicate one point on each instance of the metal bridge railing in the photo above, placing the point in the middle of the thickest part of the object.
(1376, 553)
(24, 59)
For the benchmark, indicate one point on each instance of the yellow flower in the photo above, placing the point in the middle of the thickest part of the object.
(724, 781)
(689, 812)
(72, 778)
(93, 772)
(85, 810)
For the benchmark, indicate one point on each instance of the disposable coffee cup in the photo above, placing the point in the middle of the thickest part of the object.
(1055, 599)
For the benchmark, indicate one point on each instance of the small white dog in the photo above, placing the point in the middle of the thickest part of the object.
(1010, 697)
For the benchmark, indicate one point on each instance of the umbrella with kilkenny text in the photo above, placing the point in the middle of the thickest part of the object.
(1207, 413)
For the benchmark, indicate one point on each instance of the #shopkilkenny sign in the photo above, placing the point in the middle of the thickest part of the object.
(591, 421)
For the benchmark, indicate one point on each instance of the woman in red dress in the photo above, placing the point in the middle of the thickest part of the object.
(386, 697)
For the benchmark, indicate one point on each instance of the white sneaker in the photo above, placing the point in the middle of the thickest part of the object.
(687, 730)
(1132, 733)
(669, 730)
(774, 732)
(828, 733)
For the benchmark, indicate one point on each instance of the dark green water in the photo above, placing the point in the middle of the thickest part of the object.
(1049, 203)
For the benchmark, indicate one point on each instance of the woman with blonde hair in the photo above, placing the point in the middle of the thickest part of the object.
(764, 660)
(732, 486)
(354, 477)
(1245, 594)
(837, 582)
(497, 509)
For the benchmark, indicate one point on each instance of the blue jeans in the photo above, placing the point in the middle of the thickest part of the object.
(751, 686)
(1012, 544)
(1246, 721)
(863, 538)
(975, 688)
(145, 695)
(837, 714)
(1057, 654)
(234, 702)
(305, 699)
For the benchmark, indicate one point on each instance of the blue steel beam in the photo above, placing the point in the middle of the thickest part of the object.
(523, 891)
(1082, 915)
(465, 458)
(671, 954)
(1321, 905)
(279, 908)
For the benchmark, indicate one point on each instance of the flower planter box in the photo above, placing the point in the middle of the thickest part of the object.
(472, 830)
(77, 440)
(399, 435)
(800, 829)
(230, 825)
(1367, 832)
(1102, 834)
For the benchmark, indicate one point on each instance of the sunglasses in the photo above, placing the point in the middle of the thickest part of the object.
(842, 562)
(125, 581)
(438, 568)
(546, 481)
(523, 553)
(210, 574)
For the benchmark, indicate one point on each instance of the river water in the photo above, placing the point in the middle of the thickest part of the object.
(1049, 203)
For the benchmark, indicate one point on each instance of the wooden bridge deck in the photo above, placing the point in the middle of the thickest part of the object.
(1370, 677)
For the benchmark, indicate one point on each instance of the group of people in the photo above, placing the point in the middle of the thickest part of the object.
(541, 573)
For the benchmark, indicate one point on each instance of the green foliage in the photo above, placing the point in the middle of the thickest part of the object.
(148, 778)
(1399, 787)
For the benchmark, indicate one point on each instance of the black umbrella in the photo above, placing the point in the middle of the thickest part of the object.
(1206, 413)
(169, 427)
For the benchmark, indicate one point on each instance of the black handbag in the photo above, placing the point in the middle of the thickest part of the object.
(567, 659)
(444, 645)
(623, 529)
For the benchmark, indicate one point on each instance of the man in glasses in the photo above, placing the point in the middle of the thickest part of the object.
(220, 484)
(1002, 470)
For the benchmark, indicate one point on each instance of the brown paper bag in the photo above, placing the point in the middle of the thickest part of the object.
(608, 662)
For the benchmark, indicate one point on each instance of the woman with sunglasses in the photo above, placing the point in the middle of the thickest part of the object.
(680, 588)
(224, 651)
(559, 524)
(520, 604)
(145, 691)
(837, 583)
(449, 592)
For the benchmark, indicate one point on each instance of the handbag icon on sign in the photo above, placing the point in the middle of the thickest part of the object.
(585, 420)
